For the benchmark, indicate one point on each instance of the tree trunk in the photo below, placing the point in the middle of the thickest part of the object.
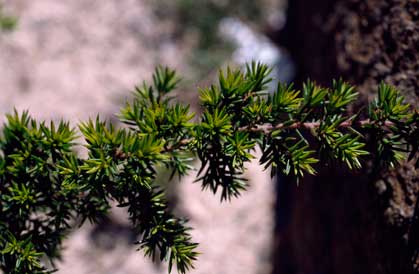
(342, 222)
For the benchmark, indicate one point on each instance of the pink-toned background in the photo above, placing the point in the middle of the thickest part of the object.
(73, 59)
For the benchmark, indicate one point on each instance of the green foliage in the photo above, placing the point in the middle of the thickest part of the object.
(46, 188)
(36, 205)
(393, 127)
(200, 20)
(7, 22)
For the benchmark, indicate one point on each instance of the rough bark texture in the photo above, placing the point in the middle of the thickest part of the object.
(351, 223)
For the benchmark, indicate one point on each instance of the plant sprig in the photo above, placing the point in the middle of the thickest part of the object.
(45, 186)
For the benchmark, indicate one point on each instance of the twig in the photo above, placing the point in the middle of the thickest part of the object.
(267, 129)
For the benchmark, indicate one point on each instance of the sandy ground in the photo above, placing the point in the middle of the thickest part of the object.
(74, 59)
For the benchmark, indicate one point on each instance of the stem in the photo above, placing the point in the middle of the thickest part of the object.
(268, 128)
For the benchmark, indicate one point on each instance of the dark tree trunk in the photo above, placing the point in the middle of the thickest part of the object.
(340, 222)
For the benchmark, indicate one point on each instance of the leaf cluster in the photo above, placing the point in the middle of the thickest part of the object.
(46, 187)
(7, 22)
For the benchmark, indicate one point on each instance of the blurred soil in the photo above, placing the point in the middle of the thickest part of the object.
(74, 59)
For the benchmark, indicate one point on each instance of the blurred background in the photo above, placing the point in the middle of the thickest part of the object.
(73, 59)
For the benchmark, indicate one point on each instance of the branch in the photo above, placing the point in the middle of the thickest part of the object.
(268, 128)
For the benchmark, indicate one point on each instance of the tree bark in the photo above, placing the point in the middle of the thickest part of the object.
(341, 222)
